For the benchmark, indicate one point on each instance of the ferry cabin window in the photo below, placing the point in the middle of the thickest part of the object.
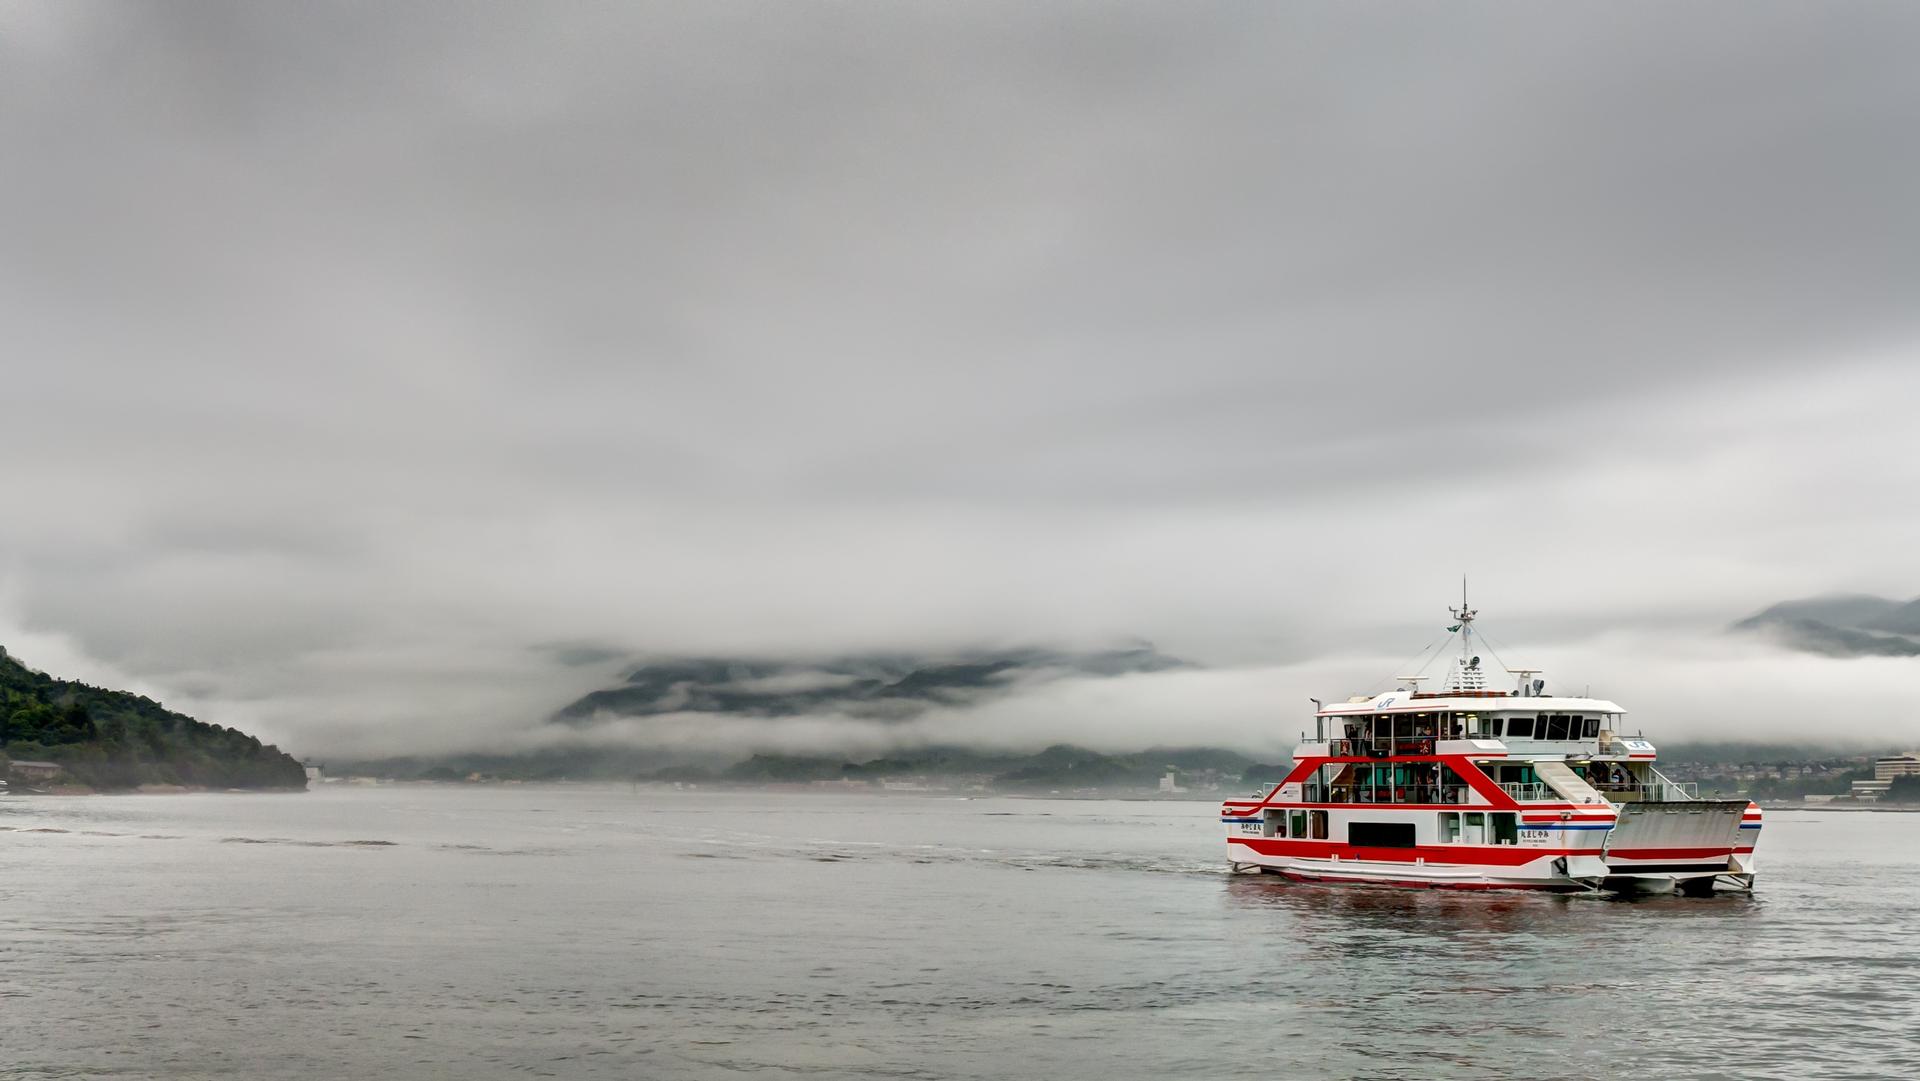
(1505, 829)
(1275, 824)
(1497, 722)
(1449, 826)
(1380, 834)
(1318, 819)
(1518, 774)
(1298, 824)
(1592, 728)
(1520, 727)
(1556, 727)
(1474, 827)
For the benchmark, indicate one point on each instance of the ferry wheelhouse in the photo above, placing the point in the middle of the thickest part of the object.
(1468, 787)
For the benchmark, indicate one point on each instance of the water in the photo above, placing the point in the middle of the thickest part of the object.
(606, 932)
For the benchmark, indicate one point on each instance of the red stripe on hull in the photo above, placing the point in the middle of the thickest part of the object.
(1440, 855)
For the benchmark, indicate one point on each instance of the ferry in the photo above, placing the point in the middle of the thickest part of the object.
(1471, 788)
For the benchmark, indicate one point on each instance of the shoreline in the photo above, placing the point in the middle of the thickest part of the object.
(146, 790)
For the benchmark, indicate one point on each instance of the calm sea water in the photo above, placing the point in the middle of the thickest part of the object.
(608, 932)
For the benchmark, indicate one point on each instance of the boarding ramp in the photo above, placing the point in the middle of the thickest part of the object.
(1699, 823)
(1678, 838)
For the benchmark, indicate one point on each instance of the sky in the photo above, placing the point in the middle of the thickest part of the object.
(379, 378)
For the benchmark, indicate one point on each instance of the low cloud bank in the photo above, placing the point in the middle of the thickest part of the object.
(1676, 689)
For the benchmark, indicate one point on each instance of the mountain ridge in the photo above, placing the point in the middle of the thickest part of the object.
(883, 686)
(1840, 625)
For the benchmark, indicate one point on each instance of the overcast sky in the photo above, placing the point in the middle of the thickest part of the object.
(363, 361)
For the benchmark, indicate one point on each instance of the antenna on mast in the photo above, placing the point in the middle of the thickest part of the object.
(1463, 615)
(1466, 675)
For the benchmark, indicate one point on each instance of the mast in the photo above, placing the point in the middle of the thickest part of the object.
(1467, 675)
(1464, 616)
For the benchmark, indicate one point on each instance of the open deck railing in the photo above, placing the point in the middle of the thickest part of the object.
(1656, 791)
(1529, 793)
(1403, 747)
(1403, 793)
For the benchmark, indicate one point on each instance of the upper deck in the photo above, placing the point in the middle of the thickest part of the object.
(1400, 724)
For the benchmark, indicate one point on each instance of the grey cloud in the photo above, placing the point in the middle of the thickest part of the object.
(355, 350)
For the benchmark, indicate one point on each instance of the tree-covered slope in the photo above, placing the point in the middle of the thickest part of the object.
(114, 740)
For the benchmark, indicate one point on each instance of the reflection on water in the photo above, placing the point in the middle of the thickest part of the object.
(1439, 911)
(612, 933)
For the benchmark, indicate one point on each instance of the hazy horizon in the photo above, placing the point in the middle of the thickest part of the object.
(385, 381)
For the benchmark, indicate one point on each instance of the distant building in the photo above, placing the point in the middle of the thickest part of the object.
(1870, 790)
(315, 774)
(36, 771)
(1899, 765)
(1170, 783)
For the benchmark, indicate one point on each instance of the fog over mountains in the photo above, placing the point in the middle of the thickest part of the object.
(882, 686)
(1842, 625)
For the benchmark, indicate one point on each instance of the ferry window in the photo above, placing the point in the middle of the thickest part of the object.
(1522, 774)
(1298, 825)
(1319, 822)
(1276, 824)
(1505, 829)
(1328, 784)
(1474, 725)
(1557, 727)
(1593, 728)
(1497, 723)
(1520, 728)
(1475, 827)
(1449, 826)
(1380, 834)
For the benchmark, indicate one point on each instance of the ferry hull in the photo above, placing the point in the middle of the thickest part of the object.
(1508, 868)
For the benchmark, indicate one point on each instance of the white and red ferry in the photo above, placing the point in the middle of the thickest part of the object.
(1468, 787)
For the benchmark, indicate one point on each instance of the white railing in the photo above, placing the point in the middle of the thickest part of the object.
(1661, 790)
(1529, 793)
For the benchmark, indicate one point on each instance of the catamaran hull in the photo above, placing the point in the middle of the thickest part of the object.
(1516, 869)
(1692, 847)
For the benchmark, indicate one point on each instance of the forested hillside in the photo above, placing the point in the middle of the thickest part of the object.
(111, 740)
